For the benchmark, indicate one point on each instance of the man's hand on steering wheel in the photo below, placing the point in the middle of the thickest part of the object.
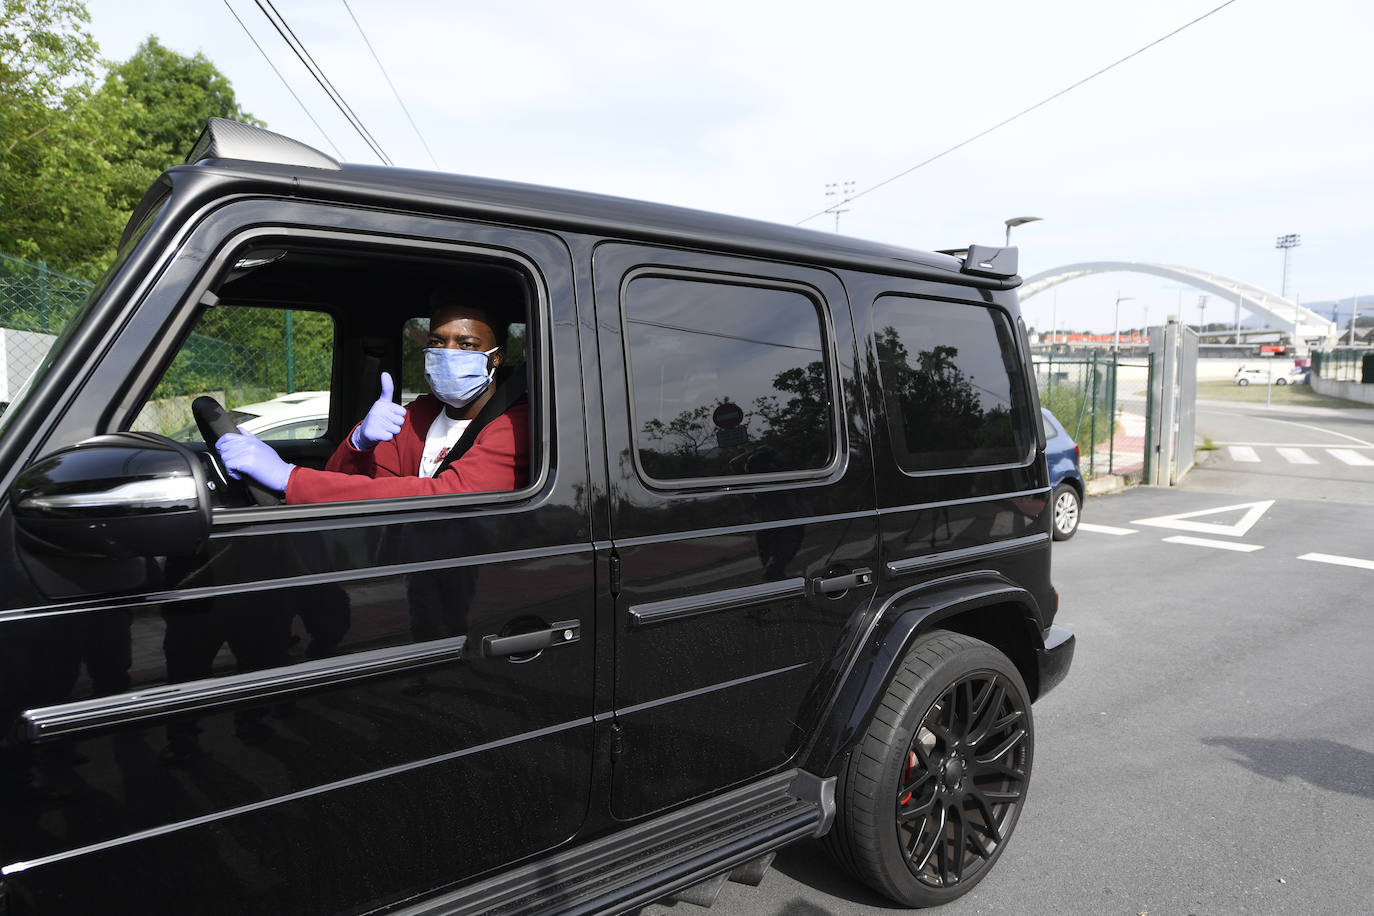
(245, 455)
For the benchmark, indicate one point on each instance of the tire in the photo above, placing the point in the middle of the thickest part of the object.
(1067, 510)
(1280, 381)
(1242, 382)
(930, 796)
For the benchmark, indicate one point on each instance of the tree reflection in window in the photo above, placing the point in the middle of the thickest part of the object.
(955, 404)
(727, 380)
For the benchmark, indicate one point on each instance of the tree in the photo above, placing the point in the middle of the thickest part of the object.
(76, 154)
(168, 97)
(54, 134)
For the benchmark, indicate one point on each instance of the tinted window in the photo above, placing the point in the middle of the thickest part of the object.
(726, 379)
(951, 384)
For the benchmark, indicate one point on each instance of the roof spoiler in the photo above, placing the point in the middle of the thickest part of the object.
(225, 139)
(986, 261)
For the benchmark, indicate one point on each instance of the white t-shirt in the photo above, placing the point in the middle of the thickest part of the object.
(443, 434)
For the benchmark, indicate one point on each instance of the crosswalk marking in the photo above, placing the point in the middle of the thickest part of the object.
(1242, 453)
(1349, 456)
(1295, 456)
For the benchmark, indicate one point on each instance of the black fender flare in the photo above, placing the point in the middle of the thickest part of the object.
(902, 618)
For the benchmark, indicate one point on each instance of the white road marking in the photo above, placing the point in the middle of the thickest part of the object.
(1242, 453)
(1183, 521)
(1349, 456)
(1296, 456)
(1205, 542)
(1335, 560)
(1292, 444)
(1105, 529)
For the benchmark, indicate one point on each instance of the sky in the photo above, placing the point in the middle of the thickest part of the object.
(1199, 151)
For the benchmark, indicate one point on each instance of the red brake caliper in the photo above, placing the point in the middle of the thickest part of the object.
(907, 773)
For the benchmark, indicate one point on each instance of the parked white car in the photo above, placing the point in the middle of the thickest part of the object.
(1262, 375)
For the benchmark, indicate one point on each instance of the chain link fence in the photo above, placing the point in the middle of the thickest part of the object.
(36, 302)
(237, 355)
(1102, 400)
(1344, 364)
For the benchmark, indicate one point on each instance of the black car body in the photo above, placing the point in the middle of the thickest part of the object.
(770, 468)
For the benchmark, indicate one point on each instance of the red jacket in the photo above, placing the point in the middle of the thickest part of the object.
(499, 459)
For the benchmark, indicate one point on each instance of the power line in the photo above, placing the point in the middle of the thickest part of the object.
(1021, 113)
(387, 76)
(326, 136)
(298, 48)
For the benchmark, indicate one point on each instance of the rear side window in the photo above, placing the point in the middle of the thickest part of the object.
(951, 385)
(727, 380)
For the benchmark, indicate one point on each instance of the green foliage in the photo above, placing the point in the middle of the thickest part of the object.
(75, 159)
(168, 98)
(55, 135)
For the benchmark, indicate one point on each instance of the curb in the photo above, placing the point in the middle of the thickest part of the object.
(1103, 484)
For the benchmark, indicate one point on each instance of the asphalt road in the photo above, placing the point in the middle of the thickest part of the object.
(1212, 750)
(1314, 453)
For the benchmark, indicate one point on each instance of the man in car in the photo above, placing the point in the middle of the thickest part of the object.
(397, 451)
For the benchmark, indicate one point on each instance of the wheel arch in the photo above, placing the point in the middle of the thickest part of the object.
(984, 605)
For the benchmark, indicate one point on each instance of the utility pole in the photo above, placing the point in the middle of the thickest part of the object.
(843, 190)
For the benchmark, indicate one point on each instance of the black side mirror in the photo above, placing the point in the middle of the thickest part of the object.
(122, 495)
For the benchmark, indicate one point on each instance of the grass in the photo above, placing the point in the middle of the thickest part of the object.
(1300, 395)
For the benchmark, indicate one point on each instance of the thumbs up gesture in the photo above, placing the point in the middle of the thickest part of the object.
(383, 420)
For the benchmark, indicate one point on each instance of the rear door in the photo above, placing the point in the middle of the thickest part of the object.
(742, 512)
(322, 712)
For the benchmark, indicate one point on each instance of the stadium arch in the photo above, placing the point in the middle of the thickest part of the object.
(1282, 313)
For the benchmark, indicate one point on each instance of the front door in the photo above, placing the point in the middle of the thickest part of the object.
(331, 707)
(742, 512)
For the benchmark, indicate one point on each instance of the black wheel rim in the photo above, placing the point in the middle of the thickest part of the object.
(963, 779)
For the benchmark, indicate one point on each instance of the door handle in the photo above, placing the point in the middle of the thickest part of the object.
(836, 584)
(557, 634)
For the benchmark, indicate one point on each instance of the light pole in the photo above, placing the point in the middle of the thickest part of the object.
(1202, 314)
(1116, 335)
(1286, 242)
(843, 190)
(1017, 221)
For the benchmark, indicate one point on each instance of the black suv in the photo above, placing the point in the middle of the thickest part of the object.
(780, 566)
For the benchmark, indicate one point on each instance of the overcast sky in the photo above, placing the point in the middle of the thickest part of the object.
(1256, 122)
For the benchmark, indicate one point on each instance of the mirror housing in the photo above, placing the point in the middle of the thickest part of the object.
(121, 495)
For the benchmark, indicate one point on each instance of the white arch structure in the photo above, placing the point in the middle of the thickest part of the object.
(1282, 313)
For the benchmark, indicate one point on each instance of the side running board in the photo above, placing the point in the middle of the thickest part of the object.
(638, 865)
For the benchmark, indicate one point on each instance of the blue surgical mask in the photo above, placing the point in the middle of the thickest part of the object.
(457, 377)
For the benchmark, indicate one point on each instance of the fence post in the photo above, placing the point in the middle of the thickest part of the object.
(1092, 424)
(290, 354)
(43, 295)
(1147, 471)
(1111, 417)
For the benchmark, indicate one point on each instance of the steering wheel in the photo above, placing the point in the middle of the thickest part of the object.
(213, 421)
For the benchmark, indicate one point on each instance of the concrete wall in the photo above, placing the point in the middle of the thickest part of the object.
(20, 354)
(1351, 391)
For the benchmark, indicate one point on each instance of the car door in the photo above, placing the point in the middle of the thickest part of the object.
(741, 512)
(328, 708)
(961, 486)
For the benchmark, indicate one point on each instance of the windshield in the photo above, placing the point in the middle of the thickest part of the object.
(40, 310)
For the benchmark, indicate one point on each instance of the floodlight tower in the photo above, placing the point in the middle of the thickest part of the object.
(844, 190)
(1286, 242)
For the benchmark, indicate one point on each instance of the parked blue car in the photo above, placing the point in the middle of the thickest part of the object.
(1066, 479)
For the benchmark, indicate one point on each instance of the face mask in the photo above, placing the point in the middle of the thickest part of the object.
(458, 376)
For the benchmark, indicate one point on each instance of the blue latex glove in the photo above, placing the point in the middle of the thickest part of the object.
(383, 420)
(244, 453)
